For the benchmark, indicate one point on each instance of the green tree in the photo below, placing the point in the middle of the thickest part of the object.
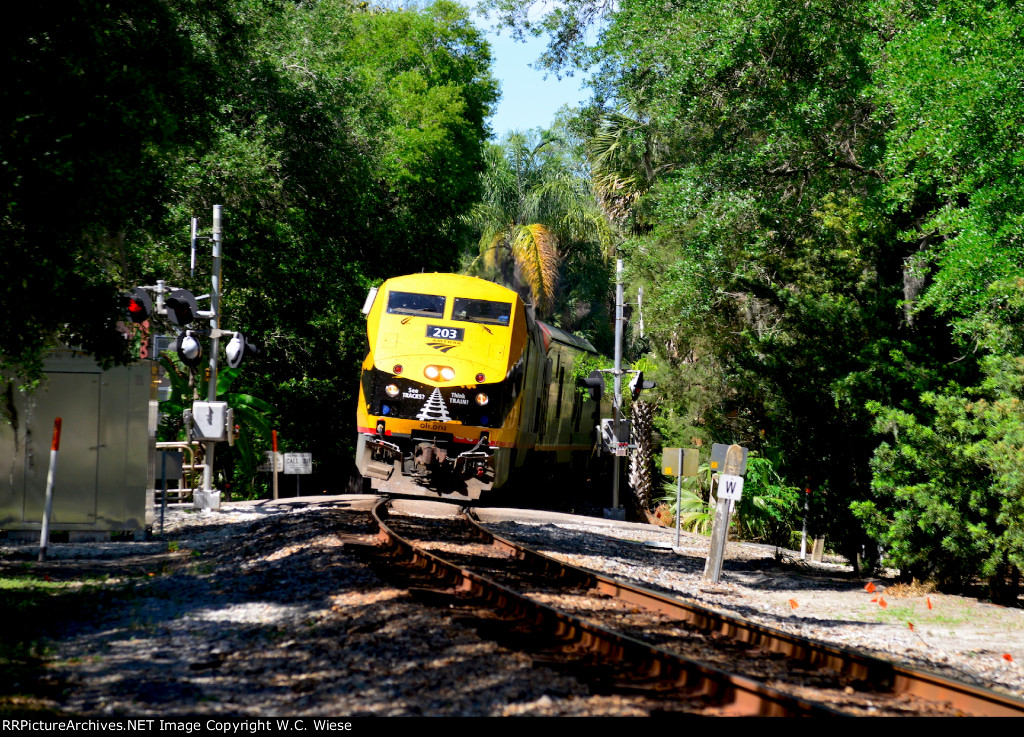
(96, 96)
(344, 142)
(952, 84)
(542, 232)
(828, 238)
(345, 150)
(948, 487)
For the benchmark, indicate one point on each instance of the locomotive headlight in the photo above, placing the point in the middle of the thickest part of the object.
(480, 378)
(392, 390)
(481, 399)
(432, 372)
(447, 373)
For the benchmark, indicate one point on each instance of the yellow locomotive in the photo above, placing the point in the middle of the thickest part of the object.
(462, 386)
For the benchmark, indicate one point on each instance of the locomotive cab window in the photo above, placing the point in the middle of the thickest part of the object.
(411, 303)
(482, 311)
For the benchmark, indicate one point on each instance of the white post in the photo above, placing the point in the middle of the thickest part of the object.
(51, 476)
(803, 532)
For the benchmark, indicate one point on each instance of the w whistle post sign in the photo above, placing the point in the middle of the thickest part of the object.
(730, 487)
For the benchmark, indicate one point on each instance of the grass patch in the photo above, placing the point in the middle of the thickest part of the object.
(36, 611)
(897, 614)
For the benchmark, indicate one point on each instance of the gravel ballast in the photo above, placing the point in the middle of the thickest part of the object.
(272, 610)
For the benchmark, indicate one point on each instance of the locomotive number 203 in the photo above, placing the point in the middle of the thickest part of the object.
(440, 332)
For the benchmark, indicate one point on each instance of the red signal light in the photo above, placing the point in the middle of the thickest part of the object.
(138, 305)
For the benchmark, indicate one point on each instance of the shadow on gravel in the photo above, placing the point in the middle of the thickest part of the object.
(643, 566)
(273, 616)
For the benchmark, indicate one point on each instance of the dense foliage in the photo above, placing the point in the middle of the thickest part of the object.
(823, 202)
(344, 141)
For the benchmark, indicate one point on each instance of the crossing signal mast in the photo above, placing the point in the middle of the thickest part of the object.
(211, 421)
(615, 431)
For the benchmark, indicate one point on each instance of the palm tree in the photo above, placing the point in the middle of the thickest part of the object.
(533, 205)
(626, 154)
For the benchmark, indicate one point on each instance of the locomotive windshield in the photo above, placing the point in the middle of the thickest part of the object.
(482, 311)
(410, 303)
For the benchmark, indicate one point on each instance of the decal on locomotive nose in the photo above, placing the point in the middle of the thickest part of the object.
(442, 332)
(434, 409)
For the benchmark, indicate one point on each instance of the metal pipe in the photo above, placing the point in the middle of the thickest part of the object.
(617, 398)
(211, 391)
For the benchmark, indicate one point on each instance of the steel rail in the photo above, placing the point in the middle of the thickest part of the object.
(732, 694)
(880, 673)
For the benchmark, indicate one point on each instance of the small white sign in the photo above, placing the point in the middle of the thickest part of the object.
(269, 458)
(622, 449)
(730, 487)
(298, 463)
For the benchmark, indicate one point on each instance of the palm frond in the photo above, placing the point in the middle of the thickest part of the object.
(536, 254)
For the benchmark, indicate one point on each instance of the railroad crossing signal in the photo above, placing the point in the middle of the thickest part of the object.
(595, 381)
(189, 349)
(239, 348)
(615, 440)
(181, 307)
(139, 305)
(637, 384)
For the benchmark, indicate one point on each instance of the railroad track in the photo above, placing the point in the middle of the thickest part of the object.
(693, 658)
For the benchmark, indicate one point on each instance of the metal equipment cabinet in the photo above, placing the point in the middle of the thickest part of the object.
(105, 469)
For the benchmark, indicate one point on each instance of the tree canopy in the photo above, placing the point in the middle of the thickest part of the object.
(344, 141)
(822, 201)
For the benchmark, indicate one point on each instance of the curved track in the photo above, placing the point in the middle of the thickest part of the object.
(660, 670)
(633, 664)
(879, 673)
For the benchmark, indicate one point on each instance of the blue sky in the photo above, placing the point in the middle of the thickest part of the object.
(528, 100)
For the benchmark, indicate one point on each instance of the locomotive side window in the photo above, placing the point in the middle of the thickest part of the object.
(482, 311)
(410, 303)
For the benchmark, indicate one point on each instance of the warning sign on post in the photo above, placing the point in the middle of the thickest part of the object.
(271, 459)
(298, 463)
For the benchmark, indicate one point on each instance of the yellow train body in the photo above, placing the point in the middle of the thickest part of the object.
(461, 387)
